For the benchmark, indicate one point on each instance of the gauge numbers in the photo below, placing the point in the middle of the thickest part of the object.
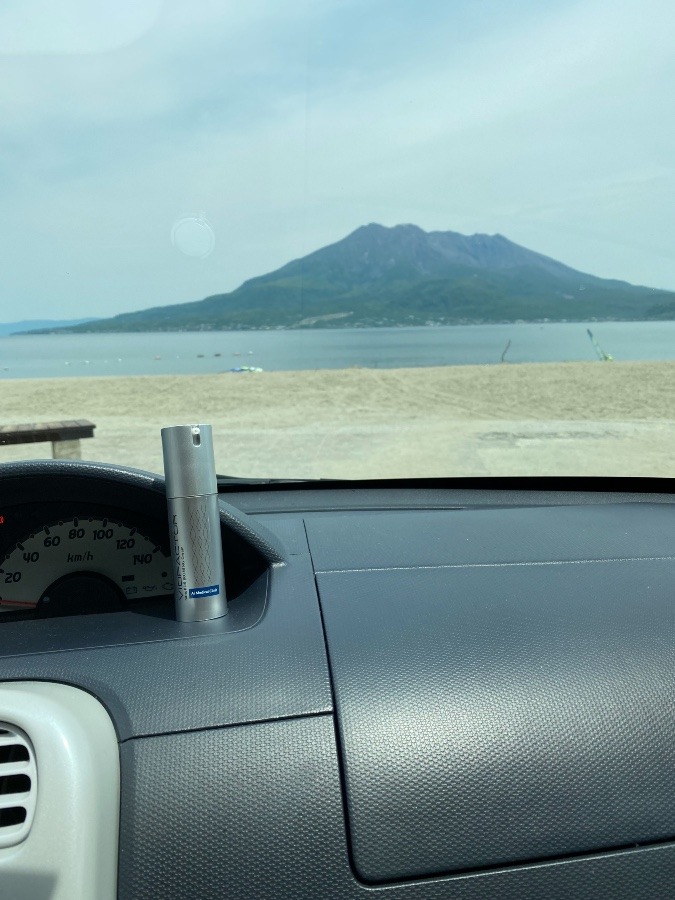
(131, 561)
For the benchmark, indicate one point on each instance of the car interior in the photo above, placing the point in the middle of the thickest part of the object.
(421, 689)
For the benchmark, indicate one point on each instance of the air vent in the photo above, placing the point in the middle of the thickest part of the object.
(18, 785)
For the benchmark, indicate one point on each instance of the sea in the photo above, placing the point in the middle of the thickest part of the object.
(172, 353)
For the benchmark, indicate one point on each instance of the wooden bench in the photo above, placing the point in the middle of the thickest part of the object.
(64, 436)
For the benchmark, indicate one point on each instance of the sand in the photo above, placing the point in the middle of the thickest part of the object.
(595, 418)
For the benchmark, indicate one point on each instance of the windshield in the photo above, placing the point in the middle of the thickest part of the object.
(361, 238)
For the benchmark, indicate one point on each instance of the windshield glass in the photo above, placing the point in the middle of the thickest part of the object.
(361, 238)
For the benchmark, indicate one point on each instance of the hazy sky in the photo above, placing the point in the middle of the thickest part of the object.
(285, 124)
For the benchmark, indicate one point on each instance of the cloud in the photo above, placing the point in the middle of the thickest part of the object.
(286, 129)
(73, 26)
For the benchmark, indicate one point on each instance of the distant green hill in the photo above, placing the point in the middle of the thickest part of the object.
(42, 324)
(380, 276)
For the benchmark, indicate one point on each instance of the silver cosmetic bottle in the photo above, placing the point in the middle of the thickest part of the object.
(194, 523)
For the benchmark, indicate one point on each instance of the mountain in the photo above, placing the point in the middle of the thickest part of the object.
(406, 276)
(43, 324)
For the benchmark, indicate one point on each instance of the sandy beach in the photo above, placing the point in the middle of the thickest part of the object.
(594, 418)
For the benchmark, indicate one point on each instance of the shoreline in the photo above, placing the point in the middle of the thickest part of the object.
(355, 368)
(501, 366)
(572, 418)
(471, 323)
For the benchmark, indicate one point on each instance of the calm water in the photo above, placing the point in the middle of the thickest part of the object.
(49, 356)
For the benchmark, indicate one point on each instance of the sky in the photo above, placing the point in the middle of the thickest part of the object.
(158, 152)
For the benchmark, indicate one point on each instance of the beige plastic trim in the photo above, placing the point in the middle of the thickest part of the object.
(70, 852)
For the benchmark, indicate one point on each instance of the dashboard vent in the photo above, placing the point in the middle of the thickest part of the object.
(18, 785)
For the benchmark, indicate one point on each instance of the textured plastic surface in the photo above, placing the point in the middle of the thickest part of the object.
(273, 670)
(490, 536)
(520, 662)
(255, 813)
(71, 851)
(148, 622)
(496, 715)
(436, 494)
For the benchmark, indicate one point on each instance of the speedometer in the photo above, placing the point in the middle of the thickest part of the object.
(82, 565)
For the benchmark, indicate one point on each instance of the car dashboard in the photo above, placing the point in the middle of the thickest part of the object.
(451, 689)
